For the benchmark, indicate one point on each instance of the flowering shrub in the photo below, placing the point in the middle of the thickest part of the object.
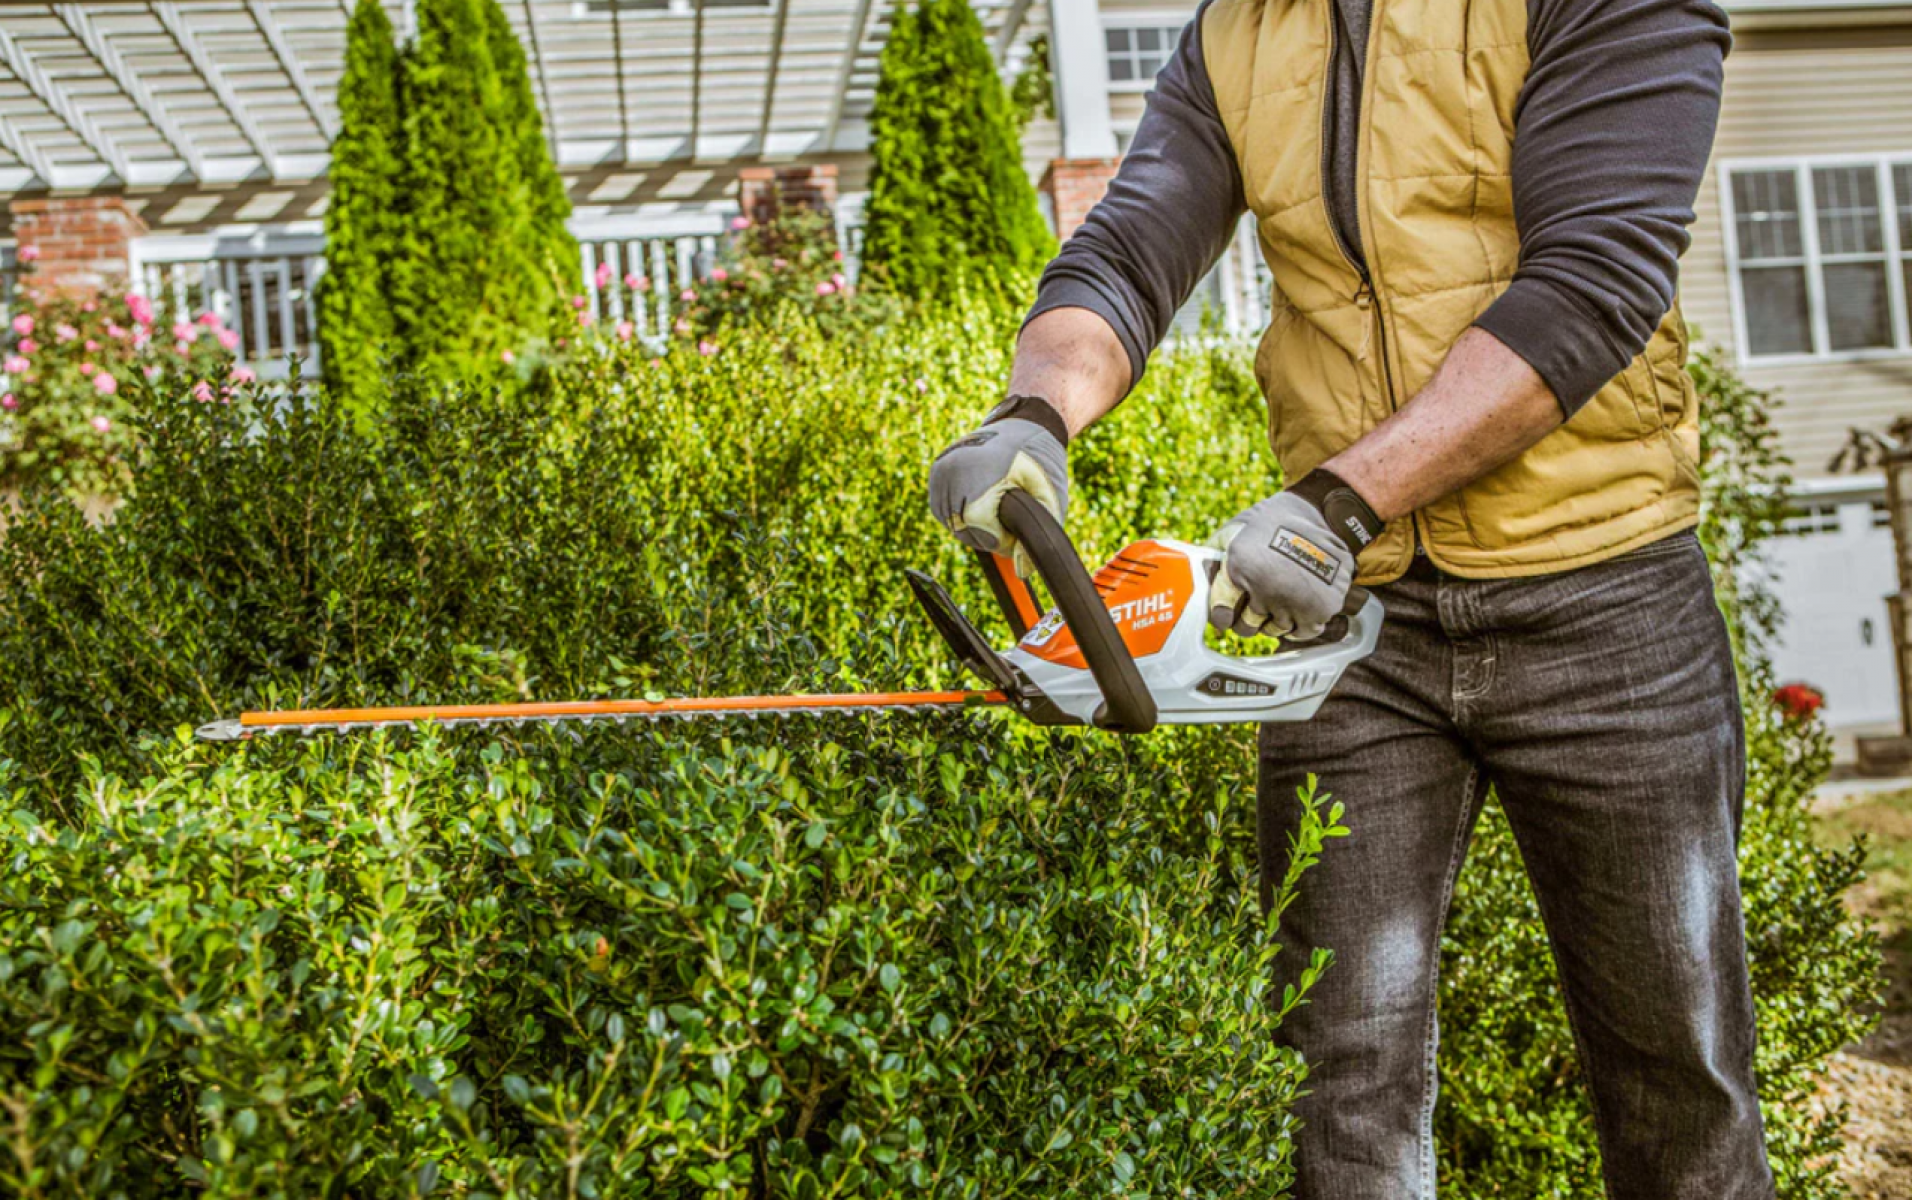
(72, 365)
(792, 262)
(1799, 701)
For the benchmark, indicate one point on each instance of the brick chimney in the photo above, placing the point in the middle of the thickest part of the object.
(83, 243)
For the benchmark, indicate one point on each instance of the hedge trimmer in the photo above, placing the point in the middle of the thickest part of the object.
(1122, 651)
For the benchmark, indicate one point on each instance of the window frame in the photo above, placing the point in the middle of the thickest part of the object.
(1170, 24)
(1897, 242)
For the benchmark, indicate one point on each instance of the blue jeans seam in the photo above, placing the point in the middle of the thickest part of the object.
(1470, 789)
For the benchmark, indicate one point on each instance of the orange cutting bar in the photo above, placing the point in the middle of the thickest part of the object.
(612, 708)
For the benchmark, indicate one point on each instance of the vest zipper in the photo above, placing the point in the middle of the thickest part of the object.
(1327, 117)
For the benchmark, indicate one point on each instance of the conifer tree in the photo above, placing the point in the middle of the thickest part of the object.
(948, 193)
(364, 219)
(554, 251)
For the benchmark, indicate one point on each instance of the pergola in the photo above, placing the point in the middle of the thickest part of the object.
(110, 94)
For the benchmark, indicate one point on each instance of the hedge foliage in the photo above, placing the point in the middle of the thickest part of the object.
(855, 957)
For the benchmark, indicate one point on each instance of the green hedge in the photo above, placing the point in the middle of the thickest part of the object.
(437, 960)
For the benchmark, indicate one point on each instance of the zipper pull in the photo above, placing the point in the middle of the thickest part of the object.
(1364, 295)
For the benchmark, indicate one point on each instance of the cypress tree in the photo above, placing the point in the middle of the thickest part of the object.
(948, 193)
(363, 221)
(554, 251)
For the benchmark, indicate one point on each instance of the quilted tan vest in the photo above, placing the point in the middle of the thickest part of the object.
(1437, 227)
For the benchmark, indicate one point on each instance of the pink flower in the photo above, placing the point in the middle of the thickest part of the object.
(603, 276)
(719, 274)
(210, 319)
(23, 324)
(682, 326)
(182, 347)
(90, 306)
(66, 333)
(117, 331)
(15, 365)
(243, 375)
(140, 307)
(778, 264)
(563, 342)
(202, 392)
(836, 255)
(922, 385)
(229, 338)
(27, 253)
(92, 346)
(638, 283)
(578, 302)
(626, 331)
(8, 402)
(687, 294)
(29, 347)
(507, 357)
(101, 424)
(706, 348)
(152, 372)
(738, 224)
(105, 385)
(87, 368)
(839, 280)
(825, 288)
(184, 331)
(657, 362)
(586, 319)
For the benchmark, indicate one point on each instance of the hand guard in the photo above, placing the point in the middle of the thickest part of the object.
(1011, 450)
(1287, 573)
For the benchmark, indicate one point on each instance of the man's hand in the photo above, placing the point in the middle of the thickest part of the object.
(1020, 445)
(1288, 571)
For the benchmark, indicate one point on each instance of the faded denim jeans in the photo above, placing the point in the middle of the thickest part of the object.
(1601, 705)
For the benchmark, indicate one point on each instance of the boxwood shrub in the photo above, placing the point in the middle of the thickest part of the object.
(854, 957)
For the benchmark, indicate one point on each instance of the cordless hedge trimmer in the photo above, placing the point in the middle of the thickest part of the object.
(1122, 651)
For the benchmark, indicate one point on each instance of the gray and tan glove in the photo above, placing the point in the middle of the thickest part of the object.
(1021, 444)
(1290, 560)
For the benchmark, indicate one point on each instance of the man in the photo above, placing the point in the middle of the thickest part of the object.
(1473, 213)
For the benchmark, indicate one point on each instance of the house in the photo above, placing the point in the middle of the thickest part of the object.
(185, 144)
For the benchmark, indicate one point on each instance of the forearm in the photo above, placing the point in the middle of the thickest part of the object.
(1482, 409)
(1073, 359)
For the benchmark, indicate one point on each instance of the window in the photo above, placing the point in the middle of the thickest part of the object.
(1822, 256)
(1137, 52)
(1811, 518)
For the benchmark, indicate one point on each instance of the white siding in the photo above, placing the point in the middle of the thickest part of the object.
(1782, 102)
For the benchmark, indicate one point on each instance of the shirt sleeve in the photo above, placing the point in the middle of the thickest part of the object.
(1612, 134)
(1168, 214)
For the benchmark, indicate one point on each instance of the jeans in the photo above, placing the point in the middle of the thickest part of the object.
(1601, 705)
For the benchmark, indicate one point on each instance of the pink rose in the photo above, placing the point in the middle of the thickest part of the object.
(719, 274)
(706, 348)
(152, 372)
(778, 264)
(209, 319)
(92, 346)
(117, 331)
(836, 255)
(839, 280)
(8, 402)
(243, 375)
(140, 307)
(101, 424)
(66, 333)
(563, 342)
(27, 253)
(29, 347)
(229, 338)
(507, 357)
(626, 331)
(738, 224)
(182, 347)
(202, 392)
(638, 283)
(578, 302)
(825, 288)
(15, 365)
(23, 324)
(87, 368)
(586, 319)
(105, 385)
(184, 331)
(604, 274)
(687, 294)
(682, 326)
(90, 306)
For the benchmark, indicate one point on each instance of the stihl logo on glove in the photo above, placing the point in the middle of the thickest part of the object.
(1292, 545)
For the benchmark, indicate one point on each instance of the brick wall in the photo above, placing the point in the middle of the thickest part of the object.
(762, 192)
(1074, 186)
(83, 242)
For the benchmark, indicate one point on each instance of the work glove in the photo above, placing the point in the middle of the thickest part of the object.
(1020, 445)
(1289, 568)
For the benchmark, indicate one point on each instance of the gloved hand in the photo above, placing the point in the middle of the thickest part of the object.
(1288, 569)
(1020, 445)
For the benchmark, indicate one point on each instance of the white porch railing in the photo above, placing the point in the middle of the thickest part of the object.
(259, 285)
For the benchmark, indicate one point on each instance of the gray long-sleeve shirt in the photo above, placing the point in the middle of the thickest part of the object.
(1612, 131)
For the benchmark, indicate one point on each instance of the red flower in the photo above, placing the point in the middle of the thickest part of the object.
(1799, 701)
